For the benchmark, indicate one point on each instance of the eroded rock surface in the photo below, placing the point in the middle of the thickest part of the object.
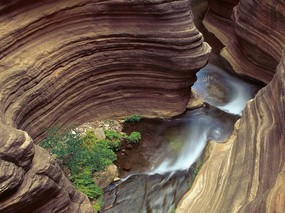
(253, 33)
(71, 61)
(31, 181)
(246, 174)
(67, 62)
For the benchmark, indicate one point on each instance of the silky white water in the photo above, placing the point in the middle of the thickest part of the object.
(239, 91)
(222, 90)
(160, 189)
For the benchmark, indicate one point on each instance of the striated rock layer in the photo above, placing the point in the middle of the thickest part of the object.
(31, 181)
(247, 174)
(66, 62)
(253, 33)
(71, 61)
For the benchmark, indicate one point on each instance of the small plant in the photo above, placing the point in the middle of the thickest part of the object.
(196, 168)
(134, 137)
(112, 135)
(133, 119)
(114, 139)
(98, 204)
(84, 182)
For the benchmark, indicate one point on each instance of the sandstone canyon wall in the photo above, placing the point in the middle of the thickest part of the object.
(247, 173)
(71, 61)
(66, 62)
(253, 33)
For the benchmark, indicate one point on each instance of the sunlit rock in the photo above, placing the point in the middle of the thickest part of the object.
(246, 174)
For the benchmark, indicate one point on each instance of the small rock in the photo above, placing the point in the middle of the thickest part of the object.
(99, 132)
(129, 146)
(126, 166)
(195, 101)
(116, 179)
(105, 177)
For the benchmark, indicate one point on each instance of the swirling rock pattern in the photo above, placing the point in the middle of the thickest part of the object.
(66, 62)
(253, 33)
(31, 181)
(71, 61)
(247, 174)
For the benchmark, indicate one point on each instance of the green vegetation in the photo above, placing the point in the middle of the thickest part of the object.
(196, 168)
(82, 156)
(98, 204)
(134, 137)
(133, 119)
(114, 139)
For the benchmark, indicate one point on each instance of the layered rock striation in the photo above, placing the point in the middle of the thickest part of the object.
(69, 61)
(66, 62)
(31, 180)
(247, 174)
(253, 33)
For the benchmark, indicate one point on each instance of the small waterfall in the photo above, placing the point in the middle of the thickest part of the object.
(222, 90)
(160, 189)
(198, 127)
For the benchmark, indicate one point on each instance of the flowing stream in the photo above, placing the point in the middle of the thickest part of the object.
(161, 187)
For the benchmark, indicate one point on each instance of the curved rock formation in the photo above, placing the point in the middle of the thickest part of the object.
(253, 34)
(31, 181)
(71, 61)
(67, 62)
(247, 174)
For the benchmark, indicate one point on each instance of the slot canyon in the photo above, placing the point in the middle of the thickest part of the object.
(68, 62)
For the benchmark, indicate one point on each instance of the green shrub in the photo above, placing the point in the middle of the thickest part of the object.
(63, 145)
(82, 156)
(134, 137)
(114, 139)
(84, 182)
(112, 135)
(196, 168)
(133, 119)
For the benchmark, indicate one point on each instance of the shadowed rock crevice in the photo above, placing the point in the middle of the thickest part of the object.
(252, 33)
